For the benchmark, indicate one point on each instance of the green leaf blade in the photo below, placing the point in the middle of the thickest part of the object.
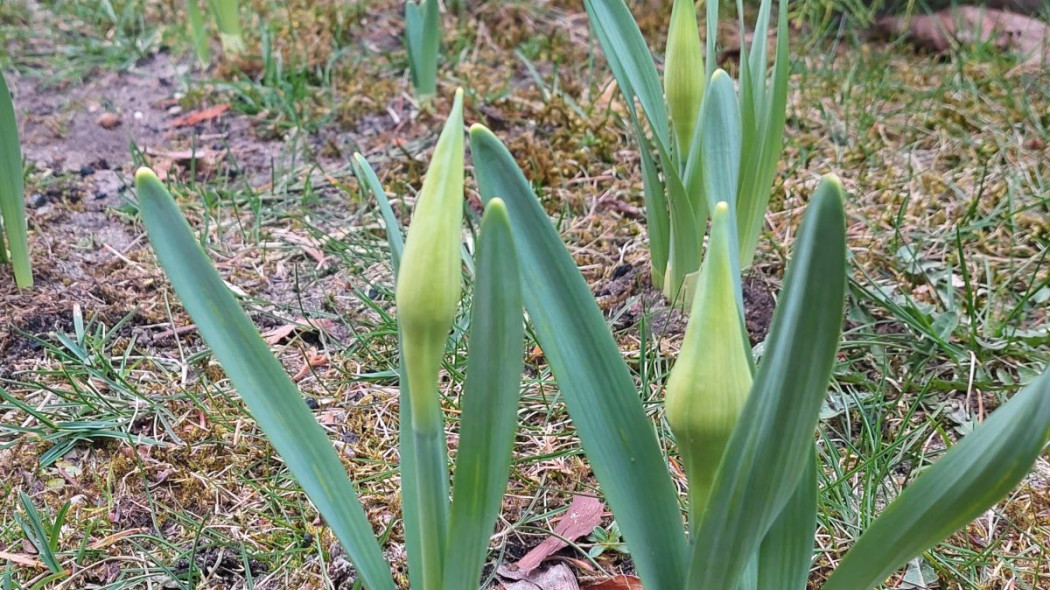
(266, 389)
(773, 440)
(490, 400)
(12, 193)
(599, 392)
(786, 554)
(968, 480)
(395, 235)
(630, 59)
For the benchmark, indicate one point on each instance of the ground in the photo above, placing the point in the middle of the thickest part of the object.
(111, 403)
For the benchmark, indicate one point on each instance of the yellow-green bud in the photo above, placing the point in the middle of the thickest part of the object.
(683, 73)
(429, 283)
(711, 379)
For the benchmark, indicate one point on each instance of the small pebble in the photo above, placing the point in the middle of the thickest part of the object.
(37, 200)
(312, 403)
(86, 170)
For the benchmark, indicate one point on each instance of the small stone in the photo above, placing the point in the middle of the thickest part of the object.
(37, 200)
(99, 195)
(312, 403)
(86, 170)
(109, 120)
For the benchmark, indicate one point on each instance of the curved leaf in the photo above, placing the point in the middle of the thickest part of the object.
(968, 480)
(266, 389)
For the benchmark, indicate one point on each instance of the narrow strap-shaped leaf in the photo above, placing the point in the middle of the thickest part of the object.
(12, 198)
(766, 148)
(414, 40)
(773, 440)
(430, 47)
(720, 155)
(658, 220)
(711, 58)
(490, 399)
(622, 41)
(786, 554)
(968, 480)
(395, 236)
(266, 389)
(605, 407)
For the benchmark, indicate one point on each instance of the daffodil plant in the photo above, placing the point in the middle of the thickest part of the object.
(745, 433)
(447, 540)
(701, 140)
(12, 200)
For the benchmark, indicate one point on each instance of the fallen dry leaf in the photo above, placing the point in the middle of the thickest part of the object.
(279, 333)
(1028, 37)
(22, 560)
(201, 160)
(617, 583)
(556, 577)
(108, 120)
(198, 117)
(584, 513)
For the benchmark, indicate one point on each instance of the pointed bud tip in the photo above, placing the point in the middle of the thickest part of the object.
(144, 174)
(719, 74)
(833, 178)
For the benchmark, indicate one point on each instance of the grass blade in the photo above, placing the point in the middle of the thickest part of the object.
(12, 200)
(970, 478)
(269, 393)
(773, 440)
(599, 392)
(490, 400)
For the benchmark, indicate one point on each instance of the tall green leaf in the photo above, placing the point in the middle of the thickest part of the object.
(395, 236)
(773, 440)
(198, 32)
(423, 43)
(631, 61)
(266, 389)
(720, 153)
(968, 480)
(490, 399)
(12, 199)
(764, 136)
(616, 434)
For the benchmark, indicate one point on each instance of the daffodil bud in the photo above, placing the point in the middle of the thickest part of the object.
(711, 379)
(683, 72)
(429, 283)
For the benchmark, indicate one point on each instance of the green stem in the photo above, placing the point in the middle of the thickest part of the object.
(431, 468)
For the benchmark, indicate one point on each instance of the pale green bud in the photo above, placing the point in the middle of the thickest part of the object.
(711, 379)
(429, 283)
(683, 72)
